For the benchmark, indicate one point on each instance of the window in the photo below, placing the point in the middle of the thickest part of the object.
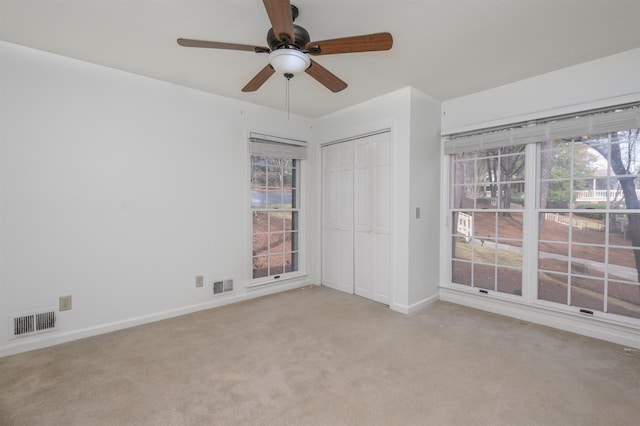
(569, 238)
(488, 201)
(275, 206)
(589, 223)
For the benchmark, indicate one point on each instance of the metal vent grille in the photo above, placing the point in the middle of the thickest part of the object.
(222, 286)
(33, 323)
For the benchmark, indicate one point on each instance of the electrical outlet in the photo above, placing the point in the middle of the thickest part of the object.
(199, 280)
(65, 303)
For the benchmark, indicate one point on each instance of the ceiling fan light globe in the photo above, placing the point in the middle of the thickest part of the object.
(289, 61)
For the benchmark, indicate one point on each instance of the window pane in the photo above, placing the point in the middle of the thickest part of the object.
(580, 187)
(463, 224)
(276, 242)
(510, 281)
(484, 251)
(552, 287)
(468, 196)
(260, 244)
(260, 266)
(509, 255)
(258, 182)
(512, 195)
(553, 257)
(484, 276)
(554, 226)
(588, 227)
(588, 260)
(624, 299)
(620, 227)
(510, 226)
(291, 241)
(461, 248)
(260, 222)
(484, 225)
(276, 221)
(291, 262)
(276, 264)
(558, 195)
(622, 265)
(587, 293)
(290, 220)
(461, 272)
(258, 172)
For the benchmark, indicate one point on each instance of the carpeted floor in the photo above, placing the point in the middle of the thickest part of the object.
(314, 356)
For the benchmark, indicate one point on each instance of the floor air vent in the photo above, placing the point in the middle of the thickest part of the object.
(33, 323)
(222, 286)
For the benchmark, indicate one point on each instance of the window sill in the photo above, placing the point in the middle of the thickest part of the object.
(285, 278)
(618, 332)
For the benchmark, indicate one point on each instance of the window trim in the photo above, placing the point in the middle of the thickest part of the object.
(261, 144)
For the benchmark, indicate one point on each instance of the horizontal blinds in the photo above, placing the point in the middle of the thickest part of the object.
(564, 127)
(273, 146)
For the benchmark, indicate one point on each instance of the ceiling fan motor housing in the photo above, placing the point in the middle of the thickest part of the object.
(301, 35)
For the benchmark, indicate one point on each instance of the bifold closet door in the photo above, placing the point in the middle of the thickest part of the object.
(337, 216)
(372, 218)
(356, 216)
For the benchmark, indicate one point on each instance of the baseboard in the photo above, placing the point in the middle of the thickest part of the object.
(56, 338)
(574, 323)
(415, 307)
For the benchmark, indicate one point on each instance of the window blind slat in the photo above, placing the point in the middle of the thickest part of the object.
(601, 122)
(271, 146)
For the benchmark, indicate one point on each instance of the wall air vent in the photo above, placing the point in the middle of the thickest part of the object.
(24, 325)
(222, 286)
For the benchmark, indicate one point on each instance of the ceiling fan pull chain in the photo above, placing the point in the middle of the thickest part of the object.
(288, 77)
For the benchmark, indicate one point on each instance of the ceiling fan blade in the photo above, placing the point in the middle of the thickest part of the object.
(259, 79)
(186, 42)
(363, 43)
(325, 77)
(279, 12)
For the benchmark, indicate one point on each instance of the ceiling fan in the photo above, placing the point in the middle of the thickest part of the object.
(290, 47)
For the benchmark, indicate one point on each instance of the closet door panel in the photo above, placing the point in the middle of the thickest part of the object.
(381, 260)
(337, 217)
(380, 215)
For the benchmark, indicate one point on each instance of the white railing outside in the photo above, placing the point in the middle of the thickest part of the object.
(600, 194)
(576, 223)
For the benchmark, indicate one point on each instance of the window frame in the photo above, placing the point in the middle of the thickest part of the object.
(298, 211)
(475, 239)
(532, 210)
(575, 212)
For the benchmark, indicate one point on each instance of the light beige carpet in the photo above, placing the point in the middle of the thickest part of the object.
(314, 356)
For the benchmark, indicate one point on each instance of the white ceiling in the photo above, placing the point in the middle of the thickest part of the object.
(445, 48)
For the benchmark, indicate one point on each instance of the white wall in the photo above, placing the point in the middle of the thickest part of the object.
(424, 184)
(415, 147)
(604, 82)
(119, 190)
